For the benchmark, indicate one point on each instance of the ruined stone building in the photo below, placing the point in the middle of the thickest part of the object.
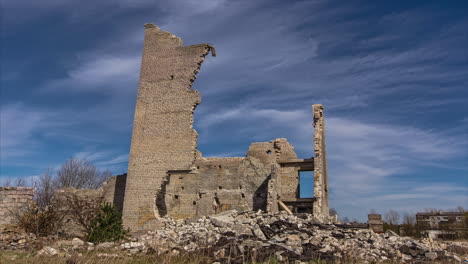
(167, 175)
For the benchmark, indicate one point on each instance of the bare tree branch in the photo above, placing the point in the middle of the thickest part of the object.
(45, 188)
(7, 182)
(392, 217)
(80, 174)
(20, 182)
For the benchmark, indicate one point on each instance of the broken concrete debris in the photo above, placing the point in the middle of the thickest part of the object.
(235, 236)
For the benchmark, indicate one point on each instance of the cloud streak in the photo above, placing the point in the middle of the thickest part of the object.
(99, 75)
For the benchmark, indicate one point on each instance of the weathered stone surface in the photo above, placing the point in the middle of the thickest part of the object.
(13, 199)
(77, 242)
(105, 245)
(375, 223)
(321, 209)
(220, 184)
(47, 251)
(114, 191)
(90, 201)
(163, 138)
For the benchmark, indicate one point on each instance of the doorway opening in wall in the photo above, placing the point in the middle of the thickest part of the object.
(306, 184)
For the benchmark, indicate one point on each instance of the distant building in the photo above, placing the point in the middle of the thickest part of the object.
(447, 225)
(439, 220)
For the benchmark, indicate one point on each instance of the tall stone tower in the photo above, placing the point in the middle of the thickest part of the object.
(163, 138)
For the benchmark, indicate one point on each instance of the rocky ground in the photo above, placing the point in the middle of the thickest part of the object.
(238, 238)
(233, 237)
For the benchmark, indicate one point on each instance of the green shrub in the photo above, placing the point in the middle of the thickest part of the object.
(107, 226)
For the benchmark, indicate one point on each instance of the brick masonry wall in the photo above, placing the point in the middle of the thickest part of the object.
(220, 184)
(11, 199)
(163, 138)
(114, 191)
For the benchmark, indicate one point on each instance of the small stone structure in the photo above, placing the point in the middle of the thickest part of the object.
(13, 199)
(113, 191)
(168, 176)
(375, 223)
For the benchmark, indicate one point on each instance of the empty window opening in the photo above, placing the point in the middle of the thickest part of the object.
(182, 187)
(220, 187)
(240, 187)
(243, 195)
(268, 152)
(306, 184)
(194, 202)
(172, 77)
(176, 196)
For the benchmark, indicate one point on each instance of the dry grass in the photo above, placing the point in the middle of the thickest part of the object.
(94, 257)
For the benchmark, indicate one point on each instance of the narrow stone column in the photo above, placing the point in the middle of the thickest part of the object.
(320, 210)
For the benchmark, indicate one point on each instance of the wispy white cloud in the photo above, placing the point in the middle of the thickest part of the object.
(104, 159)
(113, 161)
(92, 156)
(27, 133)
(388, 141)
(18, 124)
(99, 75)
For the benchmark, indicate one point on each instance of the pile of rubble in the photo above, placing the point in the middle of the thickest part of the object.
(12, 238)
(235, 238)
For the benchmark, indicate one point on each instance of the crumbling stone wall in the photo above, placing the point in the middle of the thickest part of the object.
(114, 191)
(77, 205)
(163, 138)
(274, 152)
(220, 184)
(12, 199)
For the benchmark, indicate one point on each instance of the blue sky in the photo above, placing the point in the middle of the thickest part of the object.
(392, 75)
